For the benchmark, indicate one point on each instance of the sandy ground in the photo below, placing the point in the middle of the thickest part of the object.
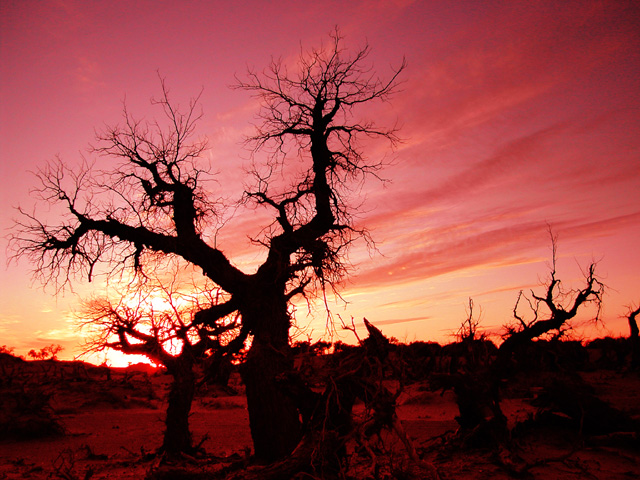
(103, 440)
(114, 439)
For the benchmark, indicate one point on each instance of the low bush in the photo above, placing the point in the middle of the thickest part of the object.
(26, 414)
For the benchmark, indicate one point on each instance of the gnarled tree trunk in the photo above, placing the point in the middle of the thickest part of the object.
(177, 436)
(273, 416)
(634, 337)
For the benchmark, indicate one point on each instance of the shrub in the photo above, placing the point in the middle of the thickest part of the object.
(27, 414)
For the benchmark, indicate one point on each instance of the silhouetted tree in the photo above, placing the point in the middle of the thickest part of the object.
(7, 350)
(633, 323)
(350, 375)
(478, 393)
(634, 336)
(561, 307)
(152, 202)
(49, 352)
(161, 323)
(468, 331)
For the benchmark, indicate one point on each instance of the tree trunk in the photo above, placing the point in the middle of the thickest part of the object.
(177, 436)
(633, 327)
(634, 338)
(273, 416)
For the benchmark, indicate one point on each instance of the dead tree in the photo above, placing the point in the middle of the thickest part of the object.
(151, 204)
(551, 311)
(168, 335)
(329, 424)
(469, 327)
(634, 337)
(633, 323)
(561, 306)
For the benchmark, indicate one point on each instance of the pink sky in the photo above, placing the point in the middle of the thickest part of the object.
(514, 115)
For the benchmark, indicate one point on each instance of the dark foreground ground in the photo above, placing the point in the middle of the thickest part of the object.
(70, 421)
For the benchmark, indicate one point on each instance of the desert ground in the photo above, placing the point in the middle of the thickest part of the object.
(70, 420)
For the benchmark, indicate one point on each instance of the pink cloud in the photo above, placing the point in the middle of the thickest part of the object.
(463, 247)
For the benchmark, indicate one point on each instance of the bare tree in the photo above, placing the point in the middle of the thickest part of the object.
(634, 337)
(161, 323)
(478, 393)
(152, 203)
(632, 314)
(560, 305)
(468, 331)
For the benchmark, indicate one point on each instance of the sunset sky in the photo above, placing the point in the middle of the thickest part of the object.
(515, 116)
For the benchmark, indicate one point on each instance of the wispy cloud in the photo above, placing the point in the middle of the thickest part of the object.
(402, 320)
(467, 247)
(462, 251)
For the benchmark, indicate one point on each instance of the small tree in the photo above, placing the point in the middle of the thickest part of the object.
(49, 352)
(634, 336)
(632, 314)
(561, 306)
(551, 311)
(149, 201)
(7, 350)
(468, 331)
(162, 323)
